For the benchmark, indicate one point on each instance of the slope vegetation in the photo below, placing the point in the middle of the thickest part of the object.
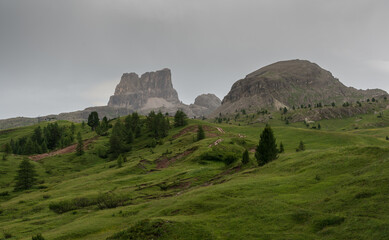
(335, 189)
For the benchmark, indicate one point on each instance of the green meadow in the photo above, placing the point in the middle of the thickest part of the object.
(338, 188)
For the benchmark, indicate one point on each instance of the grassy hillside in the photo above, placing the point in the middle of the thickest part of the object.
(336, 189)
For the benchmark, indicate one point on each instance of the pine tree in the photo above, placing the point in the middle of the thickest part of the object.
(4, 156)
(120, 161)
(245, 157)
(72, 128)
(7, 148)
(117, 139)
(28, 147)
(44, 147)
(83, 124)
(319, 126)
(200, 133)
(180, 119)
(26, 176)
(93, 120)
(80, 145)
(301, 147)
(267, 149)
(282, 148)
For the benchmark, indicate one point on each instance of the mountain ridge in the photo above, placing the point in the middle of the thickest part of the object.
(287, 84)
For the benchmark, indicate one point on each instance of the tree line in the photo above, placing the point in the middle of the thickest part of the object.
(43, 140)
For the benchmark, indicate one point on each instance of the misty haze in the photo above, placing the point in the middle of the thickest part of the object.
(187, 120)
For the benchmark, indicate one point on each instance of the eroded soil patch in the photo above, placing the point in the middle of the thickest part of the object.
(69, 149)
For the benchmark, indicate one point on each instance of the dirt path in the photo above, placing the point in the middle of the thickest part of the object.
(216, 142)
(220, 130)
(69, 149)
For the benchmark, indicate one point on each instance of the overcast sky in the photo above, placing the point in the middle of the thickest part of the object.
(60, 56)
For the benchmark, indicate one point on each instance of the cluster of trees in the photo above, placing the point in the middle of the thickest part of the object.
(158, 125)
(180, 119)
(123, 134)
(102, 127)
(119, 140)
(43, 140)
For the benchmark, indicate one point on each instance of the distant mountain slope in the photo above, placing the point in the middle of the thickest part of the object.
(152, 91)
(287, 84)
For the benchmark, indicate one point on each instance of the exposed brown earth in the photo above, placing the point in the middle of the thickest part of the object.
(209, 131)
(69, 149)
(164, 162)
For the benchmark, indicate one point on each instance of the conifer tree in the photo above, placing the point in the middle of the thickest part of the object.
(28, 147)
(93, 120)
(26, 176)
(7, 148)
(267, 149)
(180, 119)
(245, 157)
(116, 140)
(80, 145)
(301, 147)
(72, 128)
(120, 161)
(282, 148)
(200, 133)
(44, 147)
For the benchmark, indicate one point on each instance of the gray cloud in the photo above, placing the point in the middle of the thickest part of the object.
(58, 56)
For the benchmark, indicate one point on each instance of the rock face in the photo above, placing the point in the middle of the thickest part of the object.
(210, 101)
(154, 91)
(287, 84)
(150, 91)
(205, 104)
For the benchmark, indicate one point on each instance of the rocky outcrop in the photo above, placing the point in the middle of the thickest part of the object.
(154, 91)
(287, 84)
(205, 104)
(150, 91)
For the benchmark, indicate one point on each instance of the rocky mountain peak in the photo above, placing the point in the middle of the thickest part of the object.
(152, 89)
(208, 100)
(290, 83)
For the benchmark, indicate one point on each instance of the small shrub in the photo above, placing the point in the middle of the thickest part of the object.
(7, 235)
(364, 195)
(46, 196)
(110, 200)
(163, 186)
(38, 237)
(3, 194)
(145, 230)
(62, 206)
(69, 205)
(301, 217)
(220, 156)
(320, 224)
(102, 152)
